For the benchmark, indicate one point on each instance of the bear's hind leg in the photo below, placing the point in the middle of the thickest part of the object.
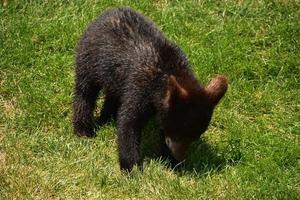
(109, 109)
(83, 107)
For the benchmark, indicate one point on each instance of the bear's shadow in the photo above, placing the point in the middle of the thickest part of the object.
(202, 157)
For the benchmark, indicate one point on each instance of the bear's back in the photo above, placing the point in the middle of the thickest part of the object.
(129, 26)
(121, 46)
(122, 34)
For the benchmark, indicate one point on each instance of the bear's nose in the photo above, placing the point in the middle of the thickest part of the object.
(178, 149)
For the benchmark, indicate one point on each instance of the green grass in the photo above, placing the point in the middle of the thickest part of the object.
(251, 150)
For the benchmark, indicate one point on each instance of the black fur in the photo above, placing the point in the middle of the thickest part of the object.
(124, 54)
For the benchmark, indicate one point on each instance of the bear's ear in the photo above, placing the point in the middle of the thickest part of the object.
(174, 91)
(216, 89)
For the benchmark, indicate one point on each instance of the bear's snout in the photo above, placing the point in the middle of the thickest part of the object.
(178, 149)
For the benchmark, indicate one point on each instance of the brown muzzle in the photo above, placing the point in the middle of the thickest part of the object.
(178, 149)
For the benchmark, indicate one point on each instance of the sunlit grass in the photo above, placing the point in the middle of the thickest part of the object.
(251, 150)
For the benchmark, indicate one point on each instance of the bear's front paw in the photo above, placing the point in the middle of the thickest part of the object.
(85, 133)
(127, 164)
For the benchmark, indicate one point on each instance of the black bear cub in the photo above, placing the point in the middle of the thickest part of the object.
(142, 74)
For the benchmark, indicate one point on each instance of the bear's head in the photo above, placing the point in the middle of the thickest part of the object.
(189, 111)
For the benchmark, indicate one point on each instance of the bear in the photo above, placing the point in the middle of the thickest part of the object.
(142, 74)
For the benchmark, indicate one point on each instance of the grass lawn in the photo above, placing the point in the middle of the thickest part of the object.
(250, 151)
